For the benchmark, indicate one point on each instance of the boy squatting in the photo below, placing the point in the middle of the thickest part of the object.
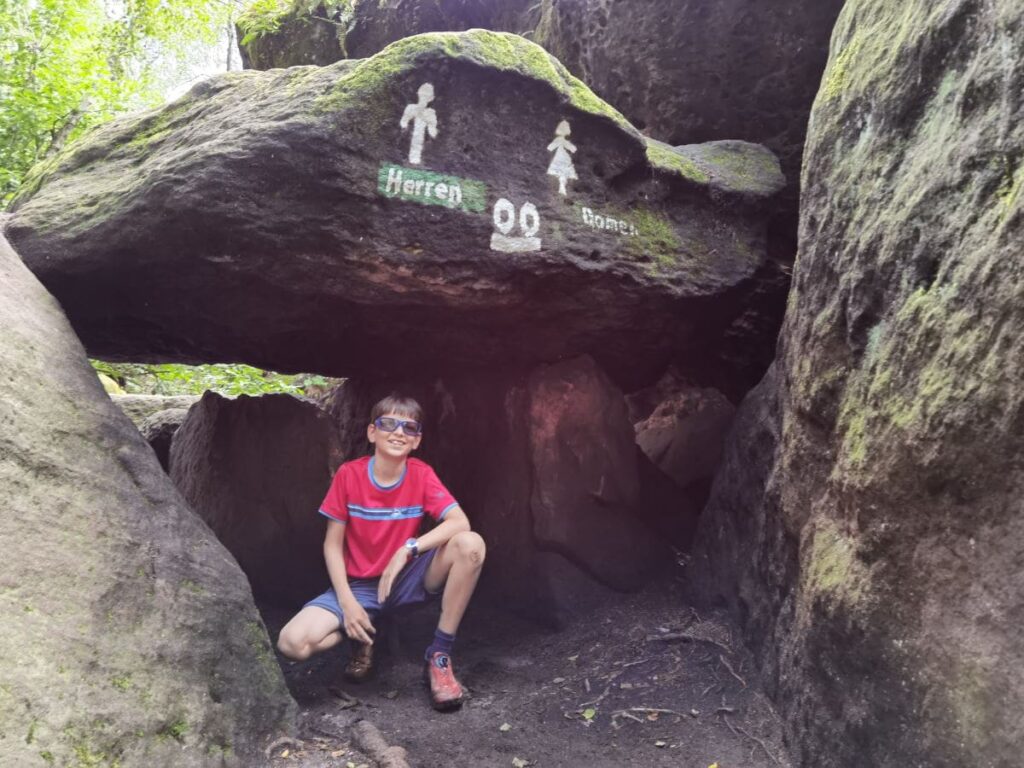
(375, 562)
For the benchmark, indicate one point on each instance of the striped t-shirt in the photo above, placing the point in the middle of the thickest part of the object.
(379, 519)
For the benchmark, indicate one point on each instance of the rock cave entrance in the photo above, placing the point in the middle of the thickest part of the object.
(576, 487)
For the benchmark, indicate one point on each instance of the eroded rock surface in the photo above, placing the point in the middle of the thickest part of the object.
(141, 407)
(129, 635)
(868, 527)
(256, 470)
(458, 199)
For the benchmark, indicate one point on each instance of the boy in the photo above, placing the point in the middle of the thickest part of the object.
(375, 562)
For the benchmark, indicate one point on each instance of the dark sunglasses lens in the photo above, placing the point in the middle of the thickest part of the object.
(412, 428)
(387, 423)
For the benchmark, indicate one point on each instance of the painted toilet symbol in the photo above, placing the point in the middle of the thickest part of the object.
(561, 164)
(504, 222)
(423, 119)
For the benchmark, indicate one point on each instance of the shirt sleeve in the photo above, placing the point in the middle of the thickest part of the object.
(439, 500)
(335, 503)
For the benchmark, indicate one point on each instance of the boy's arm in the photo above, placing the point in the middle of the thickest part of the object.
(357, 621)
(455, 521)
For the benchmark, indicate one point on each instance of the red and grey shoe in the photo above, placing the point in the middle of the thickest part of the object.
(445, 691)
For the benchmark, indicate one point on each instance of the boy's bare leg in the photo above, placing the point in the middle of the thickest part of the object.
(457, 566)
(310, 631)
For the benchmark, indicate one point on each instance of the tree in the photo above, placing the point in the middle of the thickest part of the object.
(66, 65)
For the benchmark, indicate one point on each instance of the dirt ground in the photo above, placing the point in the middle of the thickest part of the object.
(643, 681)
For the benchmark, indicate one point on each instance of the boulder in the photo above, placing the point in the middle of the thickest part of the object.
(867, 526)
(322, 33)
(256, 470)
(129, 635)
(683, 433)
(141, 407)
(586, 483)
(458, 200)
(681, 72)
(159, 428)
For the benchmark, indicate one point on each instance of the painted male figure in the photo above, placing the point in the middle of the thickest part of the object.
(423, 118)
(375, 560)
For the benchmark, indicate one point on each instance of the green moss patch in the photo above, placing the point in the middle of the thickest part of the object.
(494, 50)
(666, 158)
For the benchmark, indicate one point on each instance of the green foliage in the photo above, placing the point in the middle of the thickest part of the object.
(67, 65)
(228, 380)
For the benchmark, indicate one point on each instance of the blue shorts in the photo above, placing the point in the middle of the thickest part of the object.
(408, 589)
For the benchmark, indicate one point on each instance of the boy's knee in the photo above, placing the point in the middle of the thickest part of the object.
(469, 546)
(292, 645)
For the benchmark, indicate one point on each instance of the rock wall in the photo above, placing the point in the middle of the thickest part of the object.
(867, 527)
(129, 635)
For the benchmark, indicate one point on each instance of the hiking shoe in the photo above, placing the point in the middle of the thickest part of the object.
(445, 691)
(360, 664)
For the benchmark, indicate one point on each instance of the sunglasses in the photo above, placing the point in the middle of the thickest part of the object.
(390, 424)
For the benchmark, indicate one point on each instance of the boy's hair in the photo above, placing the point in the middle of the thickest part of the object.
(395, 403)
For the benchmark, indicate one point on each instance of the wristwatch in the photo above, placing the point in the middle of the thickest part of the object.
(413, 548)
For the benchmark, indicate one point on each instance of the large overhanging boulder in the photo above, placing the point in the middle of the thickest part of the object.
(684, 72)
(129, 634)
(868, 526)
(457, 200)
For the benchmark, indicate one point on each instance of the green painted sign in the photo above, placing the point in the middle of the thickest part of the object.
(429, 188)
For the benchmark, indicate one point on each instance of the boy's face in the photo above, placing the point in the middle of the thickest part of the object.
(395, 445)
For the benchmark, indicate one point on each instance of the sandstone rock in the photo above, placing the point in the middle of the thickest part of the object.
(310, 230)
(129, 635)
(141, 407)
(696, 72)
(256, 470)
(159, 429)
(586, 488)
(326, 32)
(684, 432)
(681, 72)
(880, 576)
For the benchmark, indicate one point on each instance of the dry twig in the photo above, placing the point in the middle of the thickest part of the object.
(732, 671)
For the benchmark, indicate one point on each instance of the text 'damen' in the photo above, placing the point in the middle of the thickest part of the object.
(607, 223)
(429, 188)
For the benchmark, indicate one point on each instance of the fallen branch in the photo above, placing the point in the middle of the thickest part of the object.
(686, 637)
(370, 741)
(732, 671)
(284, 741)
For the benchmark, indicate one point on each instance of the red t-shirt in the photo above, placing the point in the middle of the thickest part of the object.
(379, 519)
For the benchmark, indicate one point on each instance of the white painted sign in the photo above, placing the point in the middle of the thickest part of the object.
(607, 223)
(561, 164)
(423, 119)
(505, 221)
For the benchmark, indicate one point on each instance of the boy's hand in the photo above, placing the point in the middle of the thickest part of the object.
(357, 623)
(387, 579)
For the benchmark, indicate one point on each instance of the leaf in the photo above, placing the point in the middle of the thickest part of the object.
(518, 762)
(713, 765)
(286, 753)
(589, 713)
(660, 743)
(505, 728)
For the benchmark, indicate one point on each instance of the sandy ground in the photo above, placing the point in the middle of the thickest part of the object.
(643, 681)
